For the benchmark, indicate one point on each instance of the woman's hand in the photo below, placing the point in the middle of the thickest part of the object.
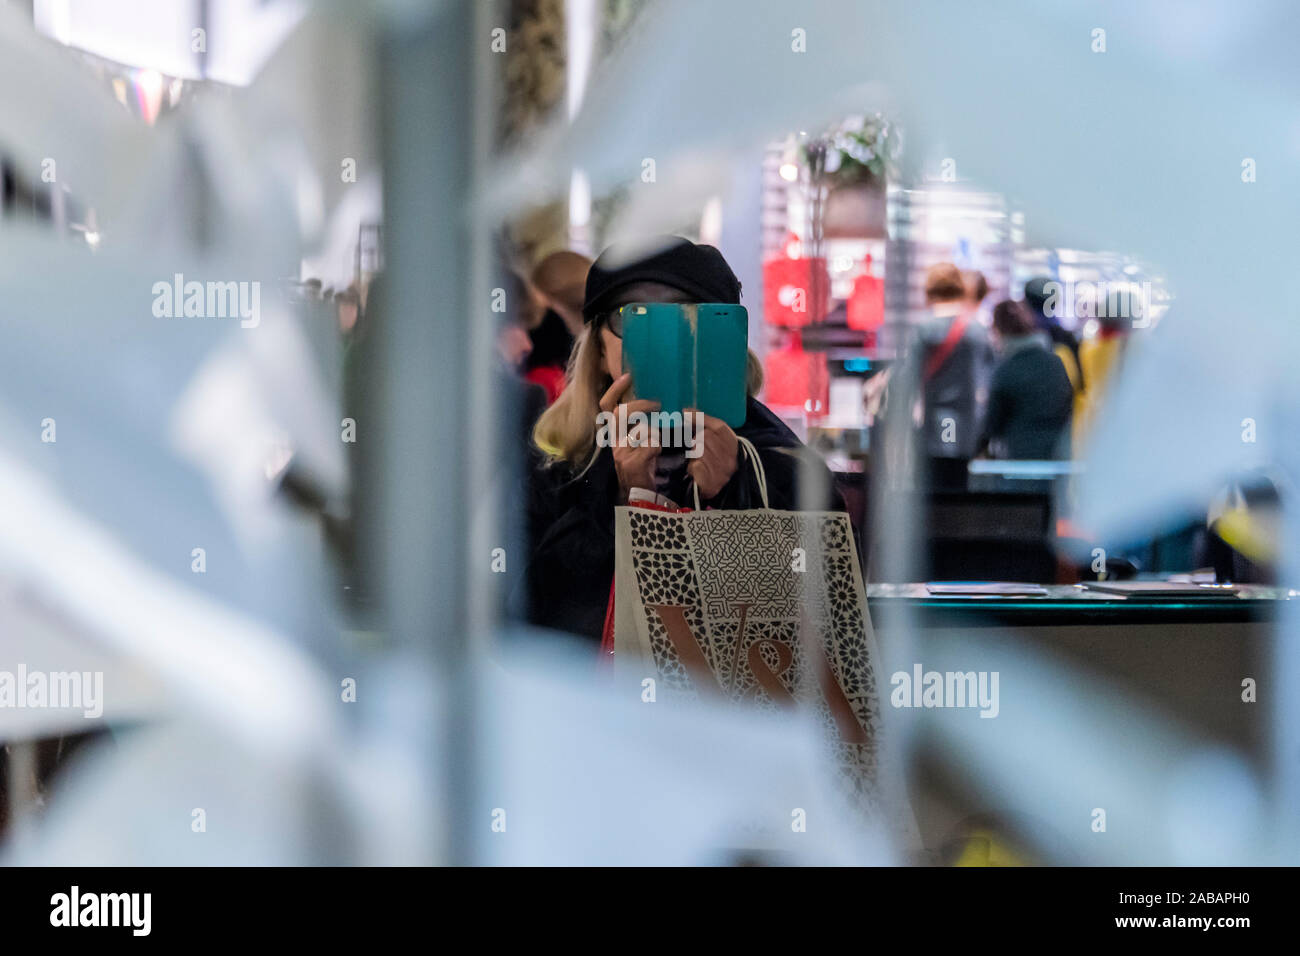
(717, 461)
(634, 454)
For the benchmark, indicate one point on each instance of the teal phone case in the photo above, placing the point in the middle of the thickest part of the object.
(689, 356)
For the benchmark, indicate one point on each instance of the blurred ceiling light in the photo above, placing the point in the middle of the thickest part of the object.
(581, 22)
(790, 160)
(149, 89)
(579, 211)
(89, 229)
(711, 222)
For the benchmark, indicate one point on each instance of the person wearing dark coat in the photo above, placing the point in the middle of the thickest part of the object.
(1042, 295)
(1031, 400)
(578, 484)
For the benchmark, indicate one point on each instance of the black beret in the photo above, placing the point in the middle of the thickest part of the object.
(693, 268)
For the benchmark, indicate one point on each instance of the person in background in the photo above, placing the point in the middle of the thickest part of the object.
(559, 283)
(1041, 298)
(514, 346)
(518, 405)
(1101, 356)
(1031, 400)
(977, 290)
(956, 362)
(579, 483)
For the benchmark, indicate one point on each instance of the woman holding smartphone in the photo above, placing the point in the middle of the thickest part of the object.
(580, 480)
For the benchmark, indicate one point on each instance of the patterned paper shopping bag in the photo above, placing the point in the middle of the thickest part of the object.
(759, 607)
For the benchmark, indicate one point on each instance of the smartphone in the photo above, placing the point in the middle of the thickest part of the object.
(689, 356)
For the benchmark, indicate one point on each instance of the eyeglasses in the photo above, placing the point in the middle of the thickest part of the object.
(612, 320)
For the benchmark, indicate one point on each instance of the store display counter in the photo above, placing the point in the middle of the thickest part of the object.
(1200, 665)
(1074, 604)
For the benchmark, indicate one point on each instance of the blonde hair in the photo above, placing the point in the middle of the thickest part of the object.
(567, 430)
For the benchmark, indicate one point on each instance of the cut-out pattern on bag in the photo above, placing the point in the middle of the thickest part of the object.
(745, 605)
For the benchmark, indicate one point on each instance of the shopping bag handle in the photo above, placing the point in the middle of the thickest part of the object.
(760, 474)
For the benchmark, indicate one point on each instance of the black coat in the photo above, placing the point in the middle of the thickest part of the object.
(571, 522)
(1030, 405)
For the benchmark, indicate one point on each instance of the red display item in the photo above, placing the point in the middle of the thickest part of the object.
(794, 378)
(795, 291)
(865, 310)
